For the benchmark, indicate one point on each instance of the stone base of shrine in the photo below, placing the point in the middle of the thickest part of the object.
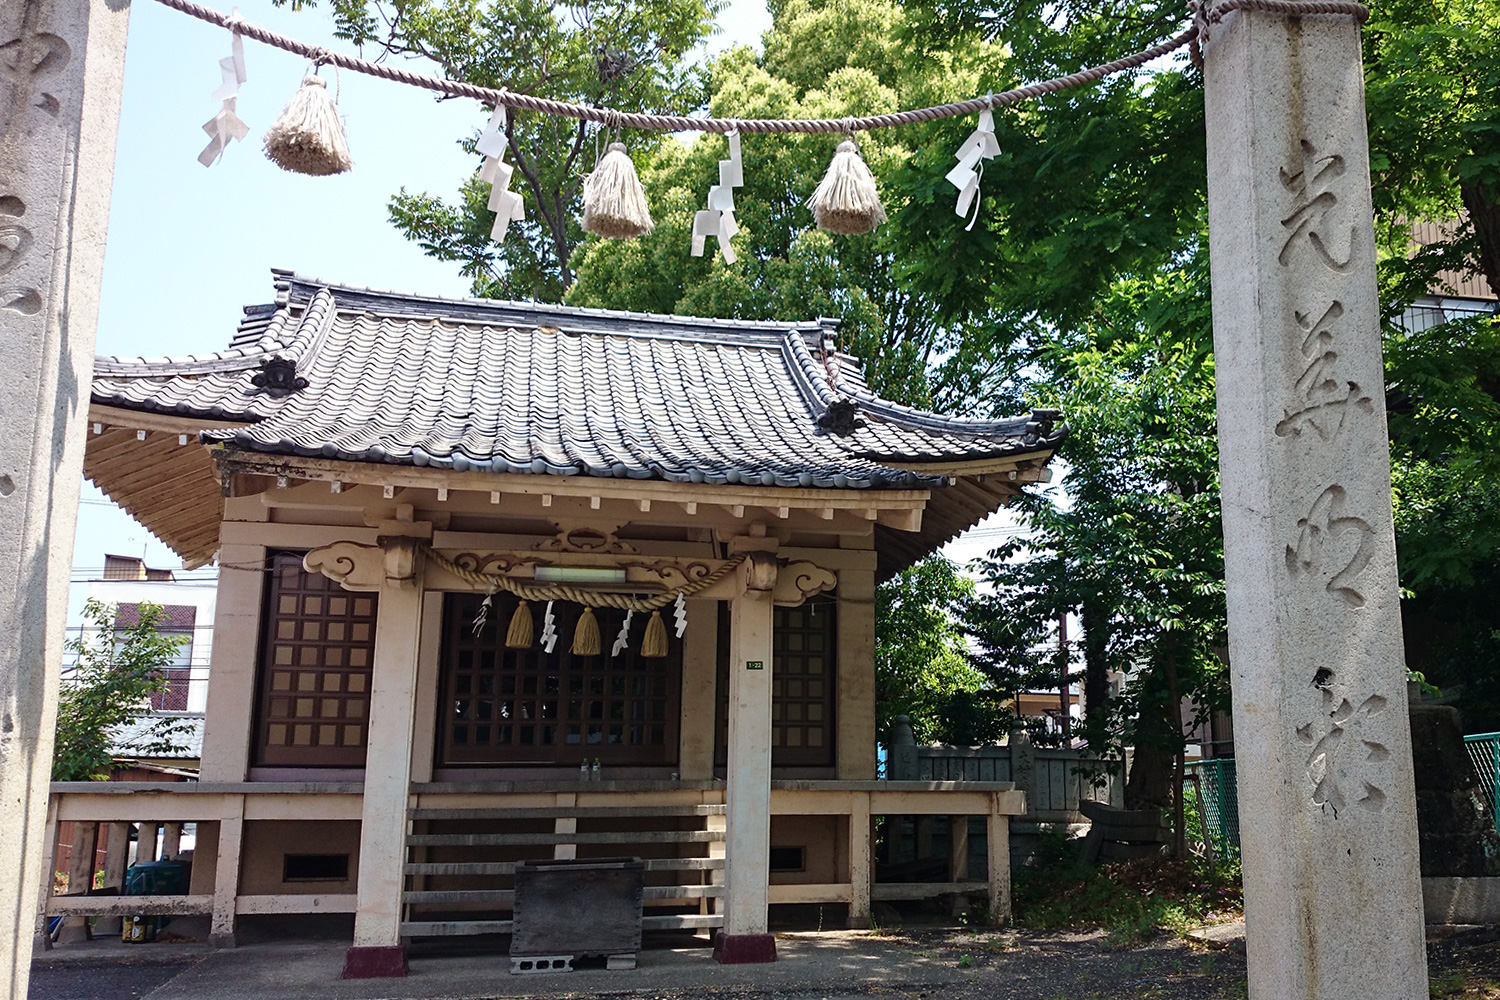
(744, 949)
(374, 963)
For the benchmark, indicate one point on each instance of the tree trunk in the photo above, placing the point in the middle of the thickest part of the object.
(1483, 204)
(1093, 616)
(1179, 835)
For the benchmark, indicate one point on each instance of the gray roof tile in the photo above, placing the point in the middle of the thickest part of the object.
(474, 384)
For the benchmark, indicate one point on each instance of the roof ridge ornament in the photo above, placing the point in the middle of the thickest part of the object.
(278, 377)
(841, 418)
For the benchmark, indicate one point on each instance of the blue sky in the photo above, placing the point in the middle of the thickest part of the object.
(189, 246)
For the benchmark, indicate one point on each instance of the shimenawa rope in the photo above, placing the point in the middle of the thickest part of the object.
(1205, 15)
(580, 595)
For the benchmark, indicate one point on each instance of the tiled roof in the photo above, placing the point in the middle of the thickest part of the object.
(473, 384)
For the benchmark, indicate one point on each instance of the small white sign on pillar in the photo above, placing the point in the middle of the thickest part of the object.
(1333, 898)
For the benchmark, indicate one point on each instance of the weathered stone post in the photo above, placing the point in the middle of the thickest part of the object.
(61, 68)
(1333, 898)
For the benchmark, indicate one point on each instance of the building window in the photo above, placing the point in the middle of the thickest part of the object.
(177, 622)
(506, 706)
(317, 652)
(803, 666)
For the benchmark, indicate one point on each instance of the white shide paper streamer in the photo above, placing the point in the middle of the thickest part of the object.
(226, 126)
(981, 145)
(718, 219)
(495, 172)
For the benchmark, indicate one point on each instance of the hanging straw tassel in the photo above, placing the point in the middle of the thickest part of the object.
(655, 643)
(308, 138)
(614, 203)
(519, 635)
(846, 201)
(586, 636)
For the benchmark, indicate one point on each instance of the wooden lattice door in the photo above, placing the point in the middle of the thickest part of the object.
(317, 652)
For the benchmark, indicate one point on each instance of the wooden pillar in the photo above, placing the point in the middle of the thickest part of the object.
(861, 864)
(1333, 897)
(116, 858)
(997, 845)
(60, 84)
(80, 875)
(227, 872)
(145, 843)
(231, 678)
(49, 866)
(958, 858)
(171, 840)
(856, 673)
(700, 673)
(748, 783)
(377, 950)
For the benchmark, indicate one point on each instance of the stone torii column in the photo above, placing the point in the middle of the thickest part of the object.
(62, 64)
(1333, 897)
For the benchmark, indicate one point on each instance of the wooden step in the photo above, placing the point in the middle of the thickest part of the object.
(538, 839)
(681, 921)
(462, 928)
(569, 812)
(507, 897)
(509, 867)
(453, 928)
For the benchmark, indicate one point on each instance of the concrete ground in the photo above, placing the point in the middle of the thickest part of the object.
(839, 965)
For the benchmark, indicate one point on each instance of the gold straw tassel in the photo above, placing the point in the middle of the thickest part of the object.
(308, 138)
(847, 202)
(614, 203)
(519, 635)
(586, 636)
(655, 643)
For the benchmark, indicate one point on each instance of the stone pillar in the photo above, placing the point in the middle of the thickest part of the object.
(747, 849)
(61, 69)
(377, 950)
(1333, 900)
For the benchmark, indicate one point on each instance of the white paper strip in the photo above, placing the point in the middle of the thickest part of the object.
(718, 219)
(549, 629)
(680, 613)
(981, 145)
(505, 203)
(226, 126)
(623, 639)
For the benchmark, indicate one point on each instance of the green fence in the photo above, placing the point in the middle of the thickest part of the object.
(1484, 751)
(1218, 804)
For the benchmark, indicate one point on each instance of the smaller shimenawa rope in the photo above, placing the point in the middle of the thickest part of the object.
(580, 595)
(1205, 15)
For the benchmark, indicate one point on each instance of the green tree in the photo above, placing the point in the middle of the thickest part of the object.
(624, 54)
(922, 668)
(901, 312)
(1133, 542)
(115, 673)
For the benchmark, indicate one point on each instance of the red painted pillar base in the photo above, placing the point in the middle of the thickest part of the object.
(374, 963)
(743, 949)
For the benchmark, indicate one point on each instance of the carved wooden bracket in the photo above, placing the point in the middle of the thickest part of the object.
(798, 581)
(349, 564)
(395, 562)
(597, 537)
(759, 573)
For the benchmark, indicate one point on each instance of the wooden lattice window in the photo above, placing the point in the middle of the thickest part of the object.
(317, 651)
(803, 666)
(506, 706)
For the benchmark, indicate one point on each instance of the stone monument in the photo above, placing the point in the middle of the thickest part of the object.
(1333, 899)
(61, 69)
